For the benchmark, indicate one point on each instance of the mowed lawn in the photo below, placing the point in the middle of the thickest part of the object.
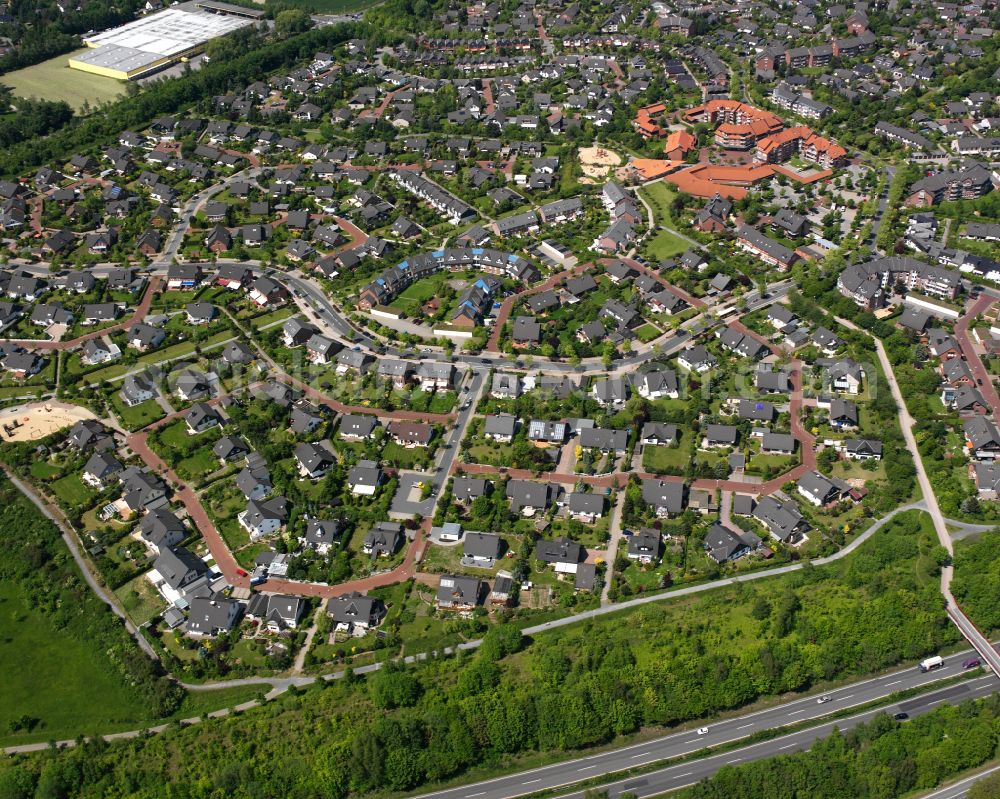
(64, 682)
(666, 245)
(54, 80)
(138, 415)
(72, 491)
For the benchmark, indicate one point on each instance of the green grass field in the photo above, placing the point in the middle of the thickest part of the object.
(659, 196)
(44, 470)
(53, 676)
(647, 332)
(54, 80)
(665, 245)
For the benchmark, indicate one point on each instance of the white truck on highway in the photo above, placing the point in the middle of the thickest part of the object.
(929, 664)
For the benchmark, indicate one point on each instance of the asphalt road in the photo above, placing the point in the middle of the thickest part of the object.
(684, 743)
(670, 779)
(439, 474)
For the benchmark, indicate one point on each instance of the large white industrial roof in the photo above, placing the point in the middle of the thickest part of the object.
(168, 31)
(150, 40)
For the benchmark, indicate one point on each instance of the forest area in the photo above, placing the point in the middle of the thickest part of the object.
(976, 584)
(589, 684)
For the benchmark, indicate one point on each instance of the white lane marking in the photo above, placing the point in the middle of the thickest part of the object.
(796, 712)
(735, 760)
(685, 774)
(789, 746)
(586, 768)
(529, 782)
(849, 696)
(744, 726)
(895, 682)
(641, 754)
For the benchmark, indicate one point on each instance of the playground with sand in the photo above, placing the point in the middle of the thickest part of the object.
(39, 419)
(597, 162)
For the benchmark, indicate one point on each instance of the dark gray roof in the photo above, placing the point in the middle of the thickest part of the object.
(558, 550)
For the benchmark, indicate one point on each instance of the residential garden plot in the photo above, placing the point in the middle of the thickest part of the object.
(647, 332)
(140, 600)
(171, 353)
(410, 299)
(190, 455)
(136, 416)
(667, 460)
(407, 458)
(72, 492)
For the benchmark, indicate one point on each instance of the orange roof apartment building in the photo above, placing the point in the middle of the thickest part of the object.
(739, 126)
(803, 141)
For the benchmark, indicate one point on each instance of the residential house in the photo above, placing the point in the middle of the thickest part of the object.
(383, 539)
(644, 546)
(357, 427)
(658, 434)
(201, 417)
(564, 555)
(322, 534)
(667, 498)
(724, 545)
(277, 612)
(99, 469)
(264, 517)
(365, 478)
(585, 508)
(160, 530)
(211, 616)
(783, 519)
(355, 613)
(456, 592)
(314, 460)
(527, 497)
(816, 488)
(500, 427)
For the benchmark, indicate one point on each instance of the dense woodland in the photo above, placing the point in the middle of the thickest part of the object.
(976, 584)
(582, 686)
(878, 760)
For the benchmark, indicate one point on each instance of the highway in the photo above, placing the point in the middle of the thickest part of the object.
(683, 774)
(683, 743)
